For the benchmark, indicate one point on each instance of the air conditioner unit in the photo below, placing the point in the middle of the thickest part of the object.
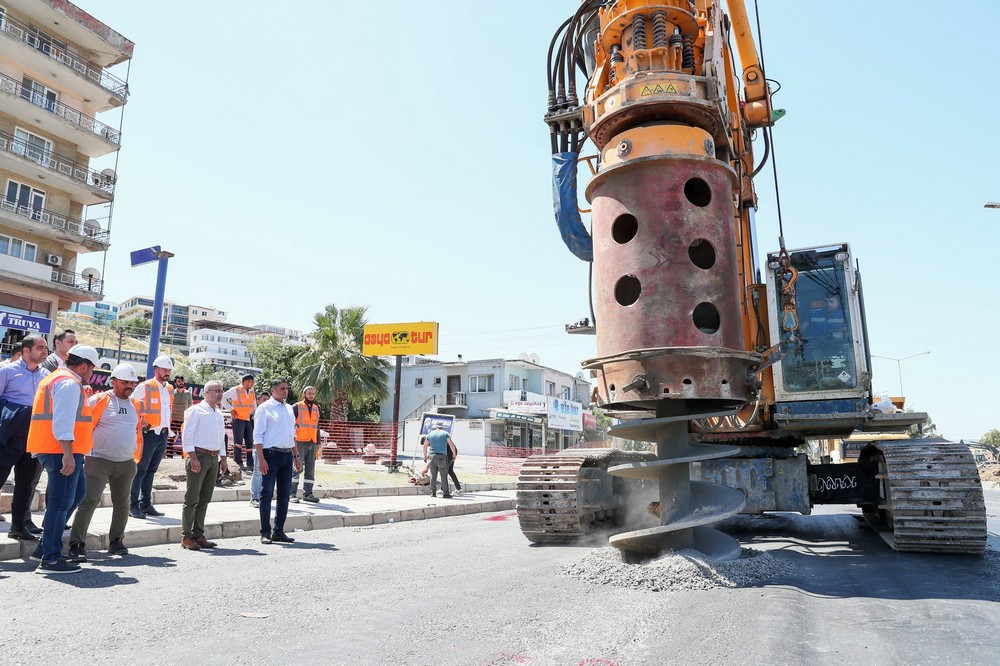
(53, 260)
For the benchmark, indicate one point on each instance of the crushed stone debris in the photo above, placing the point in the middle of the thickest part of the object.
(681, 570)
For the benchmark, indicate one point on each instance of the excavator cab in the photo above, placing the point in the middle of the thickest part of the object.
(824, 383)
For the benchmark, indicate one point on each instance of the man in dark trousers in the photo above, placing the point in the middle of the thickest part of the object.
(18, 384)
(306, 440)
(276, 456)
(439, 444)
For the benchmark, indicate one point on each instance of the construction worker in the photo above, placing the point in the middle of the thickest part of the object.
(155, 400)
(61, 433)
(307, 440)
(117, 446)
(242, 401)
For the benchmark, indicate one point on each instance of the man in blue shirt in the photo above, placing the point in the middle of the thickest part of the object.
(18, 384)
(439, 442)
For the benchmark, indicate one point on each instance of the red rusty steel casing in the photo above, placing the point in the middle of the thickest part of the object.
(664, 236)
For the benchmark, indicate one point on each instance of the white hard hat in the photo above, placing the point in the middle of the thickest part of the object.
(85, 352)
(125, 372)
(163, 361)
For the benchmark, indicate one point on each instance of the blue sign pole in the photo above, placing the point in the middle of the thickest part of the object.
(146, 256)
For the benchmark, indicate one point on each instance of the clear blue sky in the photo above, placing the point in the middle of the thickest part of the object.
(321, 153)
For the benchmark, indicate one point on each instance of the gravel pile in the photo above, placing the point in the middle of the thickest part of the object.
(682, 570)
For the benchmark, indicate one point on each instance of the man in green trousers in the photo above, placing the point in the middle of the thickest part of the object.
(204, 438)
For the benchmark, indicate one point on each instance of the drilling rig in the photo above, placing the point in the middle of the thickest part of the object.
(699, 351)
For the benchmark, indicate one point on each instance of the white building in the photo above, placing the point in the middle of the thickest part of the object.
(221, 345)
(289, 336)
(505, 402)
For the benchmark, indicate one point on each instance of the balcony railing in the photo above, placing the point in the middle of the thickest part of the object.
(73, 170)
(33, 38)
(77, 281)
(455, 399)
(70, 115)
(56, 221)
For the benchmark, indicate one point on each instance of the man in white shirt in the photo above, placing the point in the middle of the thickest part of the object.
(205, 445)
(117, 438)
(276, 456)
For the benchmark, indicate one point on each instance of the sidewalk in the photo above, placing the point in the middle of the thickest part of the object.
(230, 513)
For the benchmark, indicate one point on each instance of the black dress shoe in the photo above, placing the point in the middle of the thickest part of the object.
(32, 528)
(281, 537)
(22, 535)
(265, 539)
(136, 512)
(151, 511)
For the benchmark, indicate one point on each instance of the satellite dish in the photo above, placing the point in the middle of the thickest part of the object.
(522, 357)
(91, 227)
(110, 175)
(91, 274)
(580, 375)
(533, 358)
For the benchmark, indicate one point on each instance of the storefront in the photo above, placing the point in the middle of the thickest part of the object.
(516, 429)
(21, 316)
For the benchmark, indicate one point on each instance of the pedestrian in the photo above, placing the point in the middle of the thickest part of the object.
(256, 481)
(242, 401)
(439, 442)
(182, 400)
(61, 433)
(155, 399)
(19, 382)
(307, 441)
(15, 356)
(117, 445)
(63, 343)
(205, 445)
(452, 454)
(276, 456)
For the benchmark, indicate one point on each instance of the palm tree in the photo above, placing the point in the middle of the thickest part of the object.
(343, 377)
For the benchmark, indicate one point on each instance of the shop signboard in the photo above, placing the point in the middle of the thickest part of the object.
(20, 322)
(401, 339)
(564, 414)
(430, 419)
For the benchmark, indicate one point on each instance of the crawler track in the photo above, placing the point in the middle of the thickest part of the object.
(931, 498)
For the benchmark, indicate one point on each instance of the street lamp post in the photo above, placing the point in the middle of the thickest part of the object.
(899, 370)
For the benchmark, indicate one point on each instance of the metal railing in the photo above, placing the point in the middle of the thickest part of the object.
(67, 168)
(69, 114)
(34, 39)
(77, 281)
(455, 399)
(56, 221)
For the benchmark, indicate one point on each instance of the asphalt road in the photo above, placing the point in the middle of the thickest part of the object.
(470, 590)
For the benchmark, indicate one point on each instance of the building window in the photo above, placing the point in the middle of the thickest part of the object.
(514, 383)
(480, 383)
(35, 148)
(419, 381)
(564, 392)
(550, 388)
(25, 199)
(437, 381)
(39, 95)
(18, 248)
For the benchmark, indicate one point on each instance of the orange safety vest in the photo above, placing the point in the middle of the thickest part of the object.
(103, 400)
(243, 404)
(149, 406)
(40, 437)
(307, 424)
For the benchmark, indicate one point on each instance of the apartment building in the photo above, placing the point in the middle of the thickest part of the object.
(174, 331)
(289, 336)
(54, 213)
(221, 345)
(100, 312)
(510, 402)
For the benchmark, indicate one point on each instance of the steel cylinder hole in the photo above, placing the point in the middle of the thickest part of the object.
(702, 253)
(687, 381)
(666, 389)
(698, 192)
(612, 388)
(725, 381)
(706, 318)
(624, 228)
(627, 290)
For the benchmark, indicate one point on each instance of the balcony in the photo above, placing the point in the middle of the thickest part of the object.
(76, 234)
(80, 181)
(69, 285)
(92, 137)
(95, 81)
(92, 288)
(451, 401)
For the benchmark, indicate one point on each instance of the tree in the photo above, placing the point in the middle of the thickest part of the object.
(138, 327)
(275, 360)
(923, 430)
(343, 377)
(991, 437)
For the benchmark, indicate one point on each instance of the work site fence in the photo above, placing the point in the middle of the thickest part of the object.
(338, 440)
(507, 460)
